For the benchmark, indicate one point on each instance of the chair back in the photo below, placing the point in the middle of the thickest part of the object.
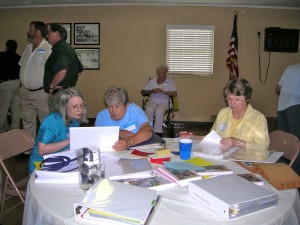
(14, 142)
(281, 141)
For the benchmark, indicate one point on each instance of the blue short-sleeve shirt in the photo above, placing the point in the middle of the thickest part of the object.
(132, 121)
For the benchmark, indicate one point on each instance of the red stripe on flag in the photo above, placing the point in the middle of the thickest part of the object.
(232, 58)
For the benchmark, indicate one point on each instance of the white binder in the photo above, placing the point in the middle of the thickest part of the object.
(231, 196)
(116, 203)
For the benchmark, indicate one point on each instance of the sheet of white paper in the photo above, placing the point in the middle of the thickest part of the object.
(210, 144)
(102, 137)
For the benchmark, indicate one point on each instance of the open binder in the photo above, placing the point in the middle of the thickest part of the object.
(116, 203)
(231, 196)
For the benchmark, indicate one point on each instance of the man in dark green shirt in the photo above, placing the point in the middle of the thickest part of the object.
(63, 66)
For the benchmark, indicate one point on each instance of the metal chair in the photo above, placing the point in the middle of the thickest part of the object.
(13, 143)
(281, 141)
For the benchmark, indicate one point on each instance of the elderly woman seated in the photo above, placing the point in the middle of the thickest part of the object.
(160, 91)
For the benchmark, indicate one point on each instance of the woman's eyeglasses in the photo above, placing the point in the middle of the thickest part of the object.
(77, 108)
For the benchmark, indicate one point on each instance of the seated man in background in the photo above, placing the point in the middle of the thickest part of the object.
(133, 123)
(160, 91)
(239, 124)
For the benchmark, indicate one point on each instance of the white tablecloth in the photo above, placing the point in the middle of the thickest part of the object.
(52, 204)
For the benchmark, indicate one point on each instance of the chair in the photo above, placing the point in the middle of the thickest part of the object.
(13, 143)
(281, 141)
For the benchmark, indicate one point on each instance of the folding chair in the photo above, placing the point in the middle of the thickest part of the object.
(281, 141)
(12, 143)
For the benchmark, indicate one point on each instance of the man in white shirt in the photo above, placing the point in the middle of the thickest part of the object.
(34, 100)
(288, 110)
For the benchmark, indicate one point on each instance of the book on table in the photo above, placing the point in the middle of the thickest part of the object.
(211, 148)
(231, 196)
(207, 170)
(158, 182)
(254, 178)
(180, 177)
(116, 203)
(121, 168)
(215, 170)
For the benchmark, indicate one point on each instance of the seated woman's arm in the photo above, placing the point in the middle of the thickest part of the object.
(52, 147)
(142, 135)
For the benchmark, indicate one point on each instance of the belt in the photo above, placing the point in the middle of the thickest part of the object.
(37, 89)
(61, 88)
(3, 80)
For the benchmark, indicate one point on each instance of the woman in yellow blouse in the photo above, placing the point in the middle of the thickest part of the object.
(239, 124)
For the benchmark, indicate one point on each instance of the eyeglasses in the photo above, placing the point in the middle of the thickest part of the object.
(77, 108)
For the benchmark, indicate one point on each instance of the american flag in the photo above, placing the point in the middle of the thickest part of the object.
(232, 59)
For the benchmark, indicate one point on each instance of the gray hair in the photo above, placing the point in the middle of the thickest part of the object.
(238, 87)
(57, 27)
(116, 95)
(162, 66)
(60, 101)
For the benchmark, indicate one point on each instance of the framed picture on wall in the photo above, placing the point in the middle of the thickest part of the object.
(68, 28)
(89, 58)
(87, 33)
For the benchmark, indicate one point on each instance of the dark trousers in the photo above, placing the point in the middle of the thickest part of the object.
(288, 120)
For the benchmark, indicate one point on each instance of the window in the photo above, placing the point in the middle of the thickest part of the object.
(190, 49)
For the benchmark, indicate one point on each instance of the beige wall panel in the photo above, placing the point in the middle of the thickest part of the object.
(133, 43)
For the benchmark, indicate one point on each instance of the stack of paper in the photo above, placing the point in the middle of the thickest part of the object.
(180, 177)
(231, 196)
(114, 202)
(158, 182)
(119, 168)
(211, 148)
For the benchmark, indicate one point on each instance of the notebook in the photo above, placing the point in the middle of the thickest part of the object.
(103, 137)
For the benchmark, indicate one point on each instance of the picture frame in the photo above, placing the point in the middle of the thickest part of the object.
(89, 58)
(68, 27)
(86, 33)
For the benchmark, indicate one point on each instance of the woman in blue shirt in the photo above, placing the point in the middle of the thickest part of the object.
(133, 122)
(53, 135)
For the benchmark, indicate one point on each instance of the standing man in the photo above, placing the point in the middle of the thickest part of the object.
(63, 67)
(288, 110)
(9, 87)
(34, 100)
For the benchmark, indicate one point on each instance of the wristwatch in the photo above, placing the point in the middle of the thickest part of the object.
(130, 142)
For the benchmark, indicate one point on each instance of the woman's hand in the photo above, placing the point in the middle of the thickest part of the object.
(189, 135)
(233, 142)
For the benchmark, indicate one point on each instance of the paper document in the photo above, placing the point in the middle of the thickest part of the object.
(102, 137)
(210, 147)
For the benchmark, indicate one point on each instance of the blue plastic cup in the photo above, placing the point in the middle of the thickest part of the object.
(185, 148)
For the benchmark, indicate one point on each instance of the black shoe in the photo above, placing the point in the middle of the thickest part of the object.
(22, 156)
(159, 134)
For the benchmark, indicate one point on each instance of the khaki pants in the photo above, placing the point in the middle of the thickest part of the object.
(34, 106)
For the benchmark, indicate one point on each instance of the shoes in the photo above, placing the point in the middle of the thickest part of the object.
(22, 156)
(159, 134)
